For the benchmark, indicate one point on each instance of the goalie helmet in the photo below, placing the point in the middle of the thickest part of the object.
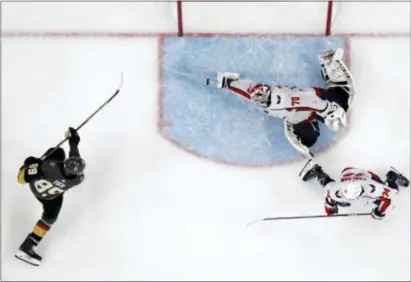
(352, 191)
(260, 94)
(74, 166)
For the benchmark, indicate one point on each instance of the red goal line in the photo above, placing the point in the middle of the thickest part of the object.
(103, 34)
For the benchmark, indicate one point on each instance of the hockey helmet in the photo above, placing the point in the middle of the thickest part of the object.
(74, 166)
(352, 191)
(260, 94)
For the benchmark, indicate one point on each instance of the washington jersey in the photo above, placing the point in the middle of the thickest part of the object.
(294, 104)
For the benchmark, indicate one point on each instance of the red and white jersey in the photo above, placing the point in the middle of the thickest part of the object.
(372, 187)
(291, 103)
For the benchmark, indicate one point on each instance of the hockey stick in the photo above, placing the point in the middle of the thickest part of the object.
(188, 74)
(88, 119)
(208, 81)
(309, 216)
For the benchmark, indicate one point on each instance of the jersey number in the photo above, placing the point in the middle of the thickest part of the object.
(295, 101)
(45, 187)
(32, 169)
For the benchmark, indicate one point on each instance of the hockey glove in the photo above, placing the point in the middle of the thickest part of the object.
(375, 214)
(330, 206)
(330, 210)
(73, 136)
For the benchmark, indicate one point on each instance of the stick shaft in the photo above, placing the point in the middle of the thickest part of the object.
(316, 216)
(88, 119)
(307, 216)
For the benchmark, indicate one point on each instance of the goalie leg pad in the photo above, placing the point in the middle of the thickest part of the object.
(335, 73)
(295, 140)
(307, 132)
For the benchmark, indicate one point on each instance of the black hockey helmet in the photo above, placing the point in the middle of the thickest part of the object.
(74, 166)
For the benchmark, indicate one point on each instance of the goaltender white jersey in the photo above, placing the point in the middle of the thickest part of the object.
(294, 104)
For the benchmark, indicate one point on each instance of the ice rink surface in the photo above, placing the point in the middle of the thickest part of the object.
(151, 210)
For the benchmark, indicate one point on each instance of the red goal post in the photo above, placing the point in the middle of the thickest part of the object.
(328, 18)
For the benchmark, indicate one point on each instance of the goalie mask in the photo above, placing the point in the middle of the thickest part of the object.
(74, 166)
(261, 94)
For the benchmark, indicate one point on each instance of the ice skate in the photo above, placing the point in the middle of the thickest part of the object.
(27, 254)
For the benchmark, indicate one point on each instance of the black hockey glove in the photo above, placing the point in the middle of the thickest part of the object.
(73, 136)
(375, 214)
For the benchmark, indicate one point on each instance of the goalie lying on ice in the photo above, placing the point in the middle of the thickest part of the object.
(302, 109)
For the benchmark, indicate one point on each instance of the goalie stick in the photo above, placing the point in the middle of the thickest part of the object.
(208, 80)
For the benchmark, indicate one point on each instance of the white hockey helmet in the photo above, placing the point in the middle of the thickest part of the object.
(260, 94)
(352, 191)
(336, 119)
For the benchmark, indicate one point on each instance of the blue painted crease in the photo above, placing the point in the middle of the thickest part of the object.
(220, 125)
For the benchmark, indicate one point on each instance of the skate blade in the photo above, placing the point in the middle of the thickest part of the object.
(395, 170)
(24, 257)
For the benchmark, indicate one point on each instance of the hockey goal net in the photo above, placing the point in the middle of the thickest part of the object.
(324, 12)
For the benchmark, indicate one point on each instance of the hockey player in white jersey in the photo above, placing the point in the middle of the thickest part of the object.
(301, 109)
(356, 184)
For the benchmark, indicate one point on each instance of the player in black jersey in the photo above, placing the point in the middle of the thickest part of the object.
(49, 179)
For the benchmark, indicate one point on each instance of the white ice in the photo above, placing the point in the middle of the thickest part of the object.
(148, 210)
